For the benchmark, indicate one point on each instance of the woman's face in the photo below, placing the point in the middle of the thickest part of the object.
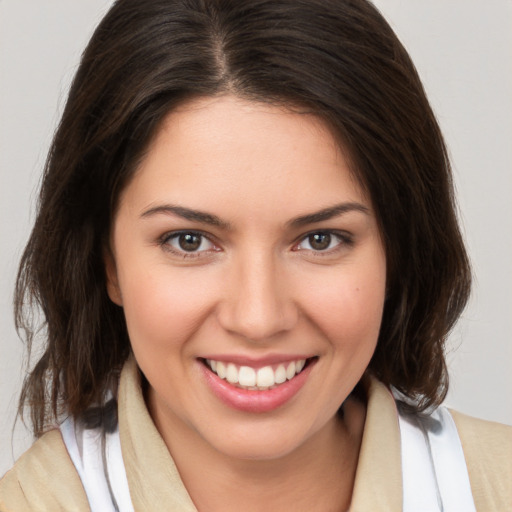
(252, 276)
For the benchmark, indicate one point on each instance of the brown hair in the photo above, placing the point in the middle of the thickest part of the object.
(336, 58)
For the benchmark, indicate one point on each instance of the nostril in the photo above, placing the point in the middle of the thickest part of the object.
(257, 324)
(256, 304)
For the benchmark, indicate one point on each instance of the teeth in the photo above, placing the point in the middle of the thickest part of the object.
(280, 375)
(290, 370)
(265, 377)
(220, 370)
(247, 376)
(261, 379)
(232, 374)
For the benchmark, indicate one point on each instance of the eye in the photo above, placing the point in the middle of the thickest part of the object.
(184, 242)
(323, 241)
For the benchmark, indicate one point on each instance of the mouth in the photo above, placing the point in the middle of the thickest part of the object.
(257, 379)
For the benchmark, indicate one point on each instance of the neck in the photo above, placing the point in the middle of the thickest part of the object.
(318, 475)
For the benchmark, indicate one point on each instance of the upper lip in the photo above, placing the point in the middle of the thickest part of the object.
(257, 362)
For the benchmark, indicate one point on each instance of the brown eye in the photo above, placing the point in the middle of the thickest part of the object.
(319, 241)
(324, 241)
(189, 241)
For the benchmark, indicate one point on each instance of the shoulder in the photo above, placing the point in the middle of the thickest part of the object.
(488, 451)
(43, 479)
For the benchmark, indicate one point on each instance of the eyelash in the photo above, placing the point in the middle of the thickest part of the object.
(344, 240)
(165, 240)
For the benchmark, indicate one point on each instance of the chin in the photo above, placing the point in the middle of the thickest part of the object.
(262, 443)
(257, 451)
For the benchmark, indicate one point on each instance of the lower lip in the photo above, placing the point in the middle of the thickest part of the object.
(256, 401)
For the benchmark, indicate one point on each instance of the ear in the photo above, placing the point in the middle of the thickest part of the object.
(113, 290)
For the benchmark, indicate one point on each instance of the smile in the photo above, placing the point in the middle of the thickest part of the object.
(250, 387)
(261, 379)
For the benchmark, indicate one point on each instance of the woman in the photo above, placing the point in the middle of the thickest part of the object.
(246, 239)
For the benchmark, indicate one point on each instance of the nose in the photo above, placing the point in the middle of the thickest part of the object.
(258, 302)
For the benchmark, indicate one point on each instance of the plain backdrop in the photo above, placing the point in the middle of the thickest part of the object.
(463, 52)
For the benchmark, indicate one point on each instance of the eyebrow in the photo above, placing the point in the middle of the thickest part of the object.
(214, 220)
(328, 213)
(188, 214)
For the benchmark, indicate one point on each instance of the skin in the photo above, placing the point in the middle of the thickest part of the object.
(256, 287)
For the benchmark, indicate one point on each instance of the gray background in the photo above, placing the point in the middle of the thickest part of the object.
(463, 51)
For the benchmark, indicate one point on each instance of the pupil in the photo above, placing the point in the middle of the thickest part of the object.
(189, 242)
(320, 241)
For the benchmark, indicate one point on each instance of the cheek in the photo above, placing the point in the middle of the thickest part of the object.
(164, 306)
(348, 307)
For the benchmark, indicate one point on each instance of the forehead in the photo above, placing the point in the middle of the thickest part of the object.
(212, 152)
